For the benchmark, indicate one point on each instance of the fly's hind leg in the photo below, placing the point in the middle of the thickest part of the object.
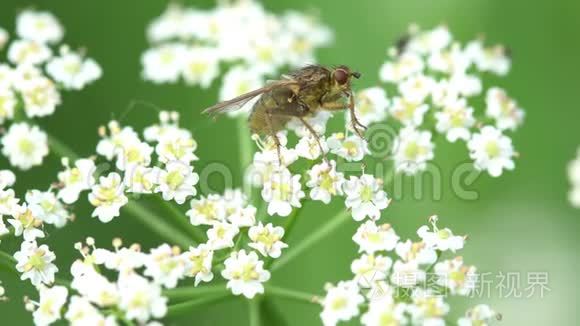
(273, 134)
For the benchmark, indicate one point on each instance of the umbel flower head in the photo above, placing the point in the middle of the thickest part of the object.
(38, 68)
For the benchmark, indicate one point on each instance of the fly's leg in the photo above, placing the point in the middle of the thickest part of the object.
(340, 105)
(273, 135)
(316, 136)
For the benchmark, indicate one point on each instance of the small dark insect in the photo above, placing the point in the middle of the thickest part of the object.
(297, 95)
(402, 42)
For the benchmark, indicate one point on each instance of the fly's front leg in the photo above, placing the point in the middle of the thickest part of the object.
(337, 105)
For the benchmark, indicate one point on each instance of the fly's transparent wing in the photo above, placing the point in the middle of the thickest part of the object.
(238, 102)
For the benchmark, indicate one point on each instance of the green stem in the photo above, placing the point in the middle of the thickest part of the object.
(191, 292)
(333, 223)
(157, 224)
(430, 268)
(183, 222)
(254, 312)
(8, 262)
(245, 144)
(289, 294)
(187, 306)
(60, 148)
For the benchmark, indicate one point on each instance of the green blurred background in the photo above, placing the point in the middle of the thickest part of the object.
(521, 222)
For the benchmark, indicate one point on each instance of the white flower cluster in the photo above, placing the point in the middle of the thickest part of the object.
(160, 163)
(31, 81)
(436, 80)
(283, 190)
(574, 175)
(96, 300)
(27, 220)
(409, 286)
(240, 36)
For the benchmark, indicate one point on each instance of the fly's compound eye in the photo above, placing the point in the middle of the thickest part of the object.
(341, 76)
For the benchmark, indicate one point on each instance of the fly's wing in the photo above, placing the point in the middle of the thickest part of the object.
(238, 102)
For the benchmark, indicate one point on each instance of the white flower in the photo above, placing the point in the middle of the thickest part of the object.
(325, 181)
(76, 179)
(46, 207)
(449, 61)
(369, 269)
(199, 263)
(109, 146)
(35, 263)
(165, 265)
(455, 120)
(372, 238)
(385, 312)
(207, 211)
(140, 179)
(164, 63)
(282, 191)
(40, 97)
(7, 179)
(341, 303)
(371, 105)
(50, 304)
(177, 182)
(266, 239)
(200, 66)
(237, 81)
(413, 149)
(123, 260)
(133, 154)
(427, 308)
(73, 71)
(481, 315)
(309, 147)
(493, 59)
(221, 235)
(365, 197)
(440, 239)
(24, 145)
(140, 299)
(95, 287)
(407, 274)
(108, 197)
(81, 312)
(414, 90)
(28, 52)
(491, 151)
(8, 202)
(425, 42)
(457, 277)
(25, 223)
(416, 251)
(505, 111)
(352, 148)
(236, 210)
(408, 112)
(7, 104)
(405, 65)
(176, 145)
(267, 160)
(40, 26)
(466, 84)
(317, 121)
(245, 274)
